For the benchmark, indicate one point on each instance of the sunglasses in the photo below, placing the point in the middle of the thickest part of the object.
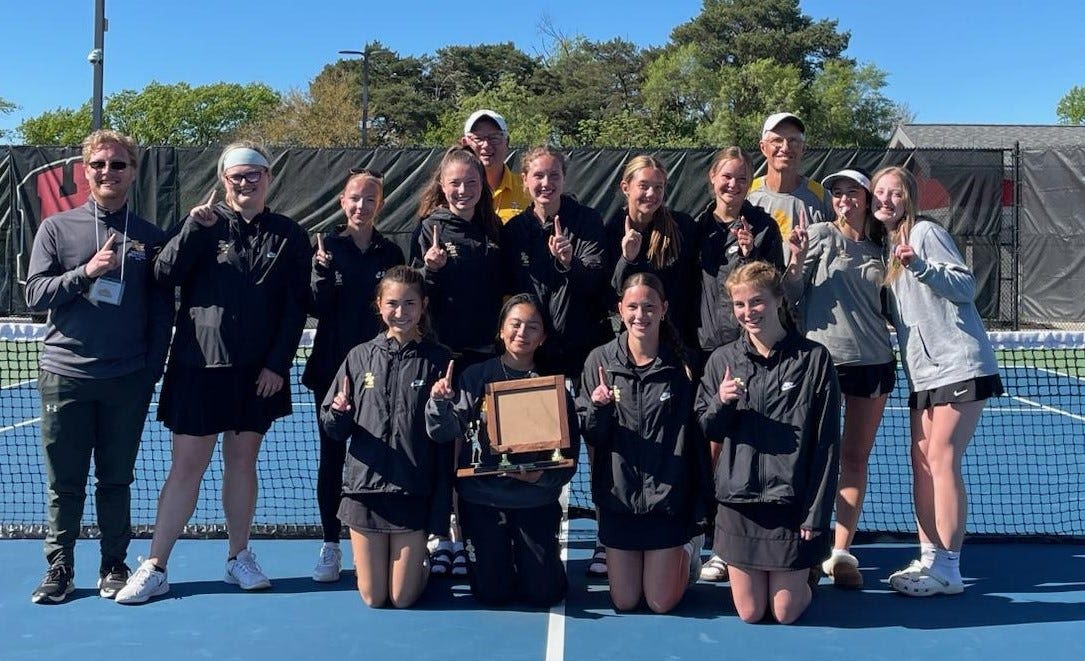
(116, 166)
(252, 176)
(376, 174)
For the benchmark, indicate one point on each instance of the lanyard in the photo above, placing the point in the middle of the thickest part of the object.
(124, 241)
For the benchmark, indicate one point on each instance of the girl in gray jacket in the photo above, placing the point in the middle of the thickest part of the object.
(951, 371)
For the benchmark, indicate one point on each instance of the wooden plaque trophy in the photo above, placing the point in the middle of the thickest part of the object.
(523, 416)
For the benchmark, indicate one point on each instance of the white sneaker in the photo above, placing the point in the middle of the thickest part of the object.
(329, 564)
(244, 572)
(144, 583)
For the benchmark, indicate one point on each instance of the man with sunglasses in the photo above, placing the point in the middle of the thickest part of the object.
(782, 191)
(487, 134)
(107, 331)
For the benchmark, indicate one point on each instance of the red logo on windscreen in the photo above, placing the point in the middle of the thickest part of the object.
(61, 187)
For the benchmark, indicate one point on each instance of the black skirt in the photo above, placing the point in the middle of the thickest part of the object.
(765, 536)
(205, 401)
(384, 512)
(642, 532)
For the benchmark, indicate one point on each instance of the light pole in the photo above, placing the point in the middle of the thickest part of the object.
(96, 57)
(365, 53)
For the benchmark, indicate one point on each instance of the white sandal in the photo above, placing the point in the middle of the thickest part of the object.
(925, 583)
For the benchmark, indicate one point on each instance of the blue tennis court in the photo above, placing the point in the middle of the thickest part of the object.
(1023, 601)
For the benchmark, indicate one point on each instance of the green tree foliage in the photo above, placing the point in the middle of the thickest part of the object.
(327, 115)
(734, 33)
(585, 83)
(847, 106)
(63, 126)
(160, 114)
(1071, 108)
(528, 124)
(182, 115)
(5, 108)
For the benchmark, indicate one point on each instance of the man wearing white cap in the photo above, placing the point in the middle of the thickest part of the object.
(487, 134)
(782, 191)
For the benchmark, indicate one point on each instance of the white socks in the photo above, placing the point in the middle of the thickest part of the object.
(926, 554)
(947, 564)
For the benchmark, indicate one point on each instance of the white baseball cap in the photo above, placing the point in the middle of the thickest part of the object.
(485, 114)
(778, 118)
(852, 175)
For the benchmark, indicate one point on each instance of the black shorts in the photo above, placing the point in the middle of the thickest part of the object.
(867, 380)
(384, 512)
(203, 401)
(969, 390)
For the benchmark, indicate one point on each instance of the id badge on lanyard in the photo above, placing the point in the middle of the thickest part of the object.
(106, 290)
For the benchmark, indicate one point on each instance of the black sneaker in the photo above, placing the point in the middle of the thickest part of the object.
(56, 586)
(112, 578)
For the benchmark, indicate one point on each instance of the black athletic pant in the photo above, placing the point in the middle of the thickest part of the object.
(329, 479)
(514, 554)
(80, 419)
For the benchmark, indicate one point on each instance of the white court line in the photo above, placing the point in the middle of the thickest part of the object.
(994, 408)
(1050, 409)
(555, 620)
(1058, 373)
(19, 384)
(19, 424)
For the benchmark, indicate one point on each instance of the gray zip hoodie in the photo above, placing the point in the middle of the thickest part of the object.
(941, 336)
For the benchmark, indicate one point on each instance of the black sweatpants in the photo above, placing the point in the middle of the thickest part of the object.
(514, 554)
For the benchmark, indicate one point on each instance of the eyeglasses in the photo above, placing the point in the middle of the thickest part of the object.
(376, 174)
(116, 166)
(252, 176)
(779, 141)
(491, 138)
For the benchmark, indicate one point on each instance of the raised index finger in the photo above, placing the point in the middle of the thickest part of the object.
(346, 385)
(727, 373)
(557, 226)
(802, 218)
(320, 242)
(436, 235)
(904, 234)
(628, 224)
(448, 371)
(108, 245)
(602, 376)
(211, 197)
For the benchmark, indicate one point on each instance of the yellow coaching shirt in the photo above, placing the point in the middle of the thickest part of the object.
(510, 198)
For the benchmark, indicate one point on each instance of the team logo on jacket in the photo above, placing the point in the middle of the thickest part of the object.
(788, 385)
(451, 249)
(378, 275)
(616, 393)
(732, 250)
(367, 380)
(525, 260)
(271, 254)
(137, 251)
(223, 250)
(418, 383)
(665, 396)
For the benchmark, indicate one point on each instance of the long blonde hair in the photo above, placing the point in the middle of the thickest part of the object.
(910, 200)
(664, 239)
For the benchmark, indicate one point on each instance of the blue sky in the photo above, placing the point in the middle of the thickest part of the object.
(996, 61)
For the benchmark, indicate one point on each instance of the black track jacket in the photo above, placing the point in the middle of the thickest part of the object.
(244, 290)
(390, 451)
(781, 438)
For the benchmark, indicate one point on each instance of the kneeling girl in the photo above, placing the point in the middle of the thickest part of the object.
(398, 485)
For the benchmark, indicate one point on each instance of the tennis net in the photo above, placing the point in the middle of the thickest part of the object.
(1025, 468)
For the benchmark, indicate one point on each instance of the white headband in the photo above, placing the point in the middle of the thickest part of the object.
(243, 156)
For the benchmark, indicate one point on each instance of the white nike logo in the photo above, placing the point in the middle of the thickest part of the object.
(788, 385)
(958, 393)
